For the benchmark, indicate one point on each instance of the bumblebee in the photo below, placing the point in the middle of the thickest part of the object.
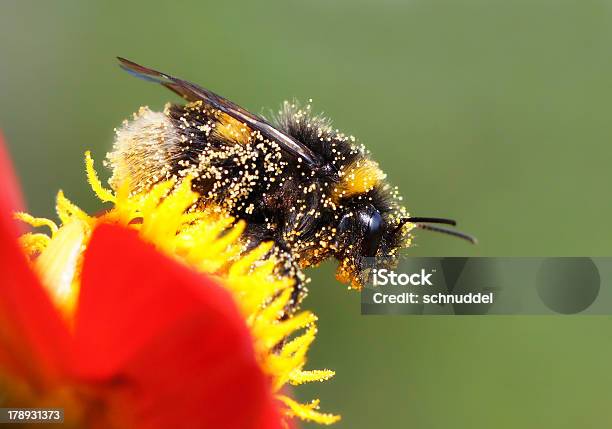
(294, 179)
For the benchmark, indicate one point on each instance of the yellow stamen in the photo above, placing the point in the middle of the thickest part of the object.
(67, 211)
(92, 177)
(36, 221)
(34, 243)
(300, 377)
(308, 412)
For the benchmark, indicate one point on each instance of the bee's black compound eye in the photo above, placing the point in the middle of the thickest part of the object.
(373, 223)
(362, 227)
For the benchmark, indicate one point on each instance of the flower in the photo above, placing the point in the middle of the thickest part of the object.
(148, 315)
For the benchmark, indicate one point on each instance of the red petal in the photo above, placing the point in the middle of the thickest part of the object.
(10, 198)
(169, 339)
(33, 337)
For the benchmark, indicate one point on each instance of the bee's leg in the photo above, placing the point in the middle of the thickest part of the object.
(299, 291)
(288, 267)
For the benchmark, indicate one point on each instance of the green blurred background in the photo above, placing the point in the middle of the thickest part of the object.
(496, 113)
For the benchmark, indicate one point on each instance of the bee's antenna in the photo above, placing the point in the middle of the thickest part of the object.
(422, 223)
(431, 220)
(458, 234)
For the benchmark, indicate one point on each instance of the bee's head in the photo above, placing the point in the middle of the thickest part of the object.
(366, 236)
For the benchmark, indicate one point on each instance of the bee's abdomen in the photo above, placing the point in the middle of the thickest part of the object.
(144, 150)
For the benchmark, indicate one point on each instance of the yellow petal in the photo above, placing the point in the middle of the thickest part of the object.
(57, 265)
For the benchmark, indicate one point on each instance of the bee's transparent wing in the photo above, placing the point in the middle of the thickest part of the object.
(193, 92)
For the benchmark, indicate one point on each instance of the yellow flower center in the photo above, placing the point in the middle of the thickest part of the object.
(207, 240)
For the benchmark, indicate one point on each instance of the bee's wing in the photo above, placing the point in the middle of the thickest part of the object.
(193, 92)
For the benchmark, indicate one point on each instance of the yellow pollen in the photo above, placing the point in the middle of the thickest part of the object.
(232, 129)
(359, 178)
